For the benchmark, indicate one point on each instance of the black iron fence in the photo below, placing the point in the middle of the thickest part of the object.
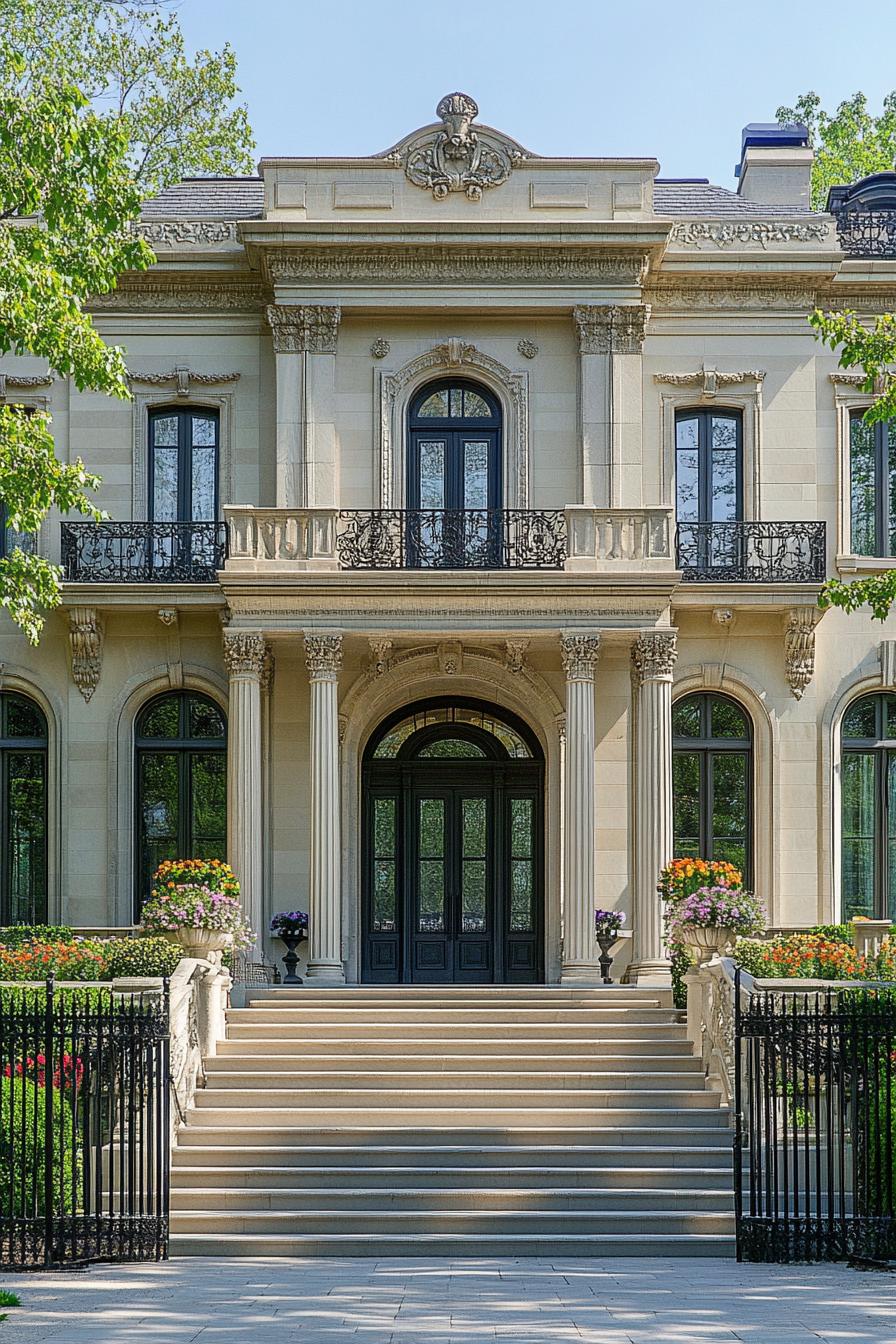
(815, 1142)
(84, 1126)
(751, 552)
(143, 552)
(452, 539)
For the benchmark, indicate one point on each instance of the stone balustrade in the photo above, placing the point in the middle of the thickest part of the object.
(610, 540)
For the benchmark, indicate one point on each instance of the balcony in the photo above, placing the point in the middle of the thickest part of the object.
(143, 552)
(751, 552)
(867, 233)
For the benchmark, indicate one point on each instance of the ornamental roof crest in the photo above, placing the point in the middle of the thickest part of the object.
(457, 156)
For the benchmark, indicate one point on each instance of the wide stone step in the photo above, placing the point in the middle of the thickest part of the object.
(350, 1149)
(529, 1094)
(621, 1199)
(269, 1051)
(473, 1081)
(453, 1245)
(292, 1134)
(319, 1016)
(516, 1222)
(468, 995)
(434, 1033)
(301, 1064)
(459, 1117)
(347, 1177)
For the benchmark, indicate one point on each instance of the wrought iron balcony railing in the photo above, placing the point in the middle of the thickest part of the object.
(142, 552)
(451, 539)
(751, 552)
(863, 231)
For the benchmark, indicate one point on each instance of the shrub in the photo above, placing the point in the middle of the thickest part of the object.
(23, 1104)
(17, 935)
(66, 961)
(139, 956)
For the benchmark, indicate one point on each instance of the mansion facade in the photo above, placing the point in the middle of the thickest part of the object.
(467, 526)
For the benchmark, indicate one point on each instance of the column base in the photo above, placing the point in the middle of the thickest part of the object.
(325, 973)
(585, 973)
(652, 971)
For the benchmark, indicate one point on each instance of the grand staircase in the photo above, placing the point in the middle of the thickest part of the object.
(454, 1121)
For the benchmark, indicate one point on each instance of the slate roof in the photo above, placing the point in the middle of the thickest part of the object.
(243, 198)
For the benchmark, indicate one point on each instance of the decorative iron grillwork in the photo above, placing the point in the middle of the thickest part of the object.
(452, 539)
(751, 552)
(815, 1138)
(863, 231)
(84, 1139)
(139, 552)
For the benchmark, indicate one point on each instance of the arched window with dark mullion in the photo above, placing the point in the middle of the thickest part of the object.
(712, 777)
(868, 808)
(181, 768)
(709, 487)
(23, 811)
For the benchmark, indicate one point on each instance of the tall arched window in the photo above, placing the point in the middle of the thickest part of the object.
(181, 748)
(23, 811)
(712, 778)
(868, 808)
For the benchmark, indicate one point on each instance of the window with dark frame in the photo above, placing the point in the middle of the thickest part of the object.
(868, 808)
(183, 464)
(23, 810)
(872, 486)
(712, 780)
(9, 539)
(181, 776)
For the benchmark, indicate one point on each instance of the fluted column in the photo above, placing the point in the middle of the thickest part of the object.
(244, 657)
(653, 662)
(580, 955)
(323, 656)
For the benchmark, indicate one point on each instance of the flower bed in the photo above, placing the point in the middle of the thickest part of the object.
(814, 956)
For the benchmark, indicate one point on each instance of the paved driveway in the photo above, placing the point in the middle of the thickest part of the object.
(463, 1301)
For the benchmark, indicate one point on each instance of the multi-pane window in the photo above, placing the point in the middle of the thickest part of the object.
(23, 811)
(712, 772)
(708, 466)
(181, 757)
(183, 465)
(872, 486)
(868, 808)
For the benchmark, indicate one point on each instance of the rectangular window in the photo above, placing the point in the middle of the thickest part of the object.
(872, 487)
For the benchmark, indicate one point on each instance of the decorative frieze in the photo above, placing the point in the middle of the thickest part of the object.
(86, 644)
(446, 265)
(653, 656)
(799, 648)
(300, 328)
(579, 654)
(181, 378)
(611, 327)
(711, 379)
(727, 295)
(761, 232)
(457, 157)
(173, 296)
(528, 349)
(244, 653)
(323, 656)
(174, 234)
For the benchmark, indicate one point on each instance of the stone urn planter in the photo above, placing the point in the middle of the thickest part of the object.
(708, 941)
(606, 943)
(204, 944)
(292, 939)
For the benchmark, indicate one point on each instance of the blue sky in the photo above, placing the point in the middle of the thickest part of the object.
(581, 77)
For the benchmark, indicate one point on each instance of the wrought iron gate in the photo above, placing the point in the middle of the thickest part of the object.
(815, 1142)
(84, 1126)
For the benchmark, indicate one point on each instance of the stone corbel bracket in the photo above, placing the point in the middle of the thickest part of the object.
(86, 635)
(799, 648)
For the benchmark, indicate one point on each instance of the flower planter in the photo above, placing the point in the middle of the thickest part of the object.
(203, 944)
(707, 941)
(605, 943)
(291, 960)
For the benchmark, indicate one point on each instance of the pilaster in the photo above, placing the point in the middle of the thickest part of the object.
(304, 338)
(611, 338)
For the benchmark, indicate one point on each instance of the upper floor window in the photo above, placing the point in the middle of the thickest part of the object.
(183, 465)
(868, 808)
(872, 486)
(455, 445)
(9, 538)
(709, 485)
(23, 811)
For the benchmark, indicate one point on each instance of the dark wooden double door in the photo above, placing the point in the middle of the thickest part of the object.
(453, 888)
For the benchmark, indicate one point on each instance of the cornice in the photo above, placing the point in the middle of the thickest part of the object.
(177, 295)
(443, 265)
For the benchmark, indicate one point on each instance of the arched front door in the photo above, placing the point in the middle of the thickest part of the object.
(452, 854)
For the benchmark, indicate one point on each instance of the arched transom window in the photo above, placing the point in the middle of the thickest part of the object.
(712, 773)
(868, 808)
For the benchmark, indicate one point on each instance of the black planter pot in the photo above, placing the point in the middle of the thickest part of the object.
(291, 960)
(606, 960)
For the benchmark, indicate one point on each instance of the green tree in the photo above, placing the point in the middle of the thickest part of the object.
(849, 144)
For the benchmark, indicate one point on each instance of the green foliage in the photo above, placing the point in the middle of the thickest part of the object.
(139, 956)
(849, 144)
(17, 935)
(177, 112)
(838, 933)
(8, 1299)
(23, 1189)
(681, 963)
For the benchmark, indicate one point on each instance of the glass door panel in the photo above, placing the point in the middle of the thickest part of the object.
(729, 807)
(474, 864)
(522, 865)
(431, 866)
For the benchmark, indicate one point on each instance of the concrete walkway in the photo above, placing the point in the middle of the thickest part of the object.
(687, 1301)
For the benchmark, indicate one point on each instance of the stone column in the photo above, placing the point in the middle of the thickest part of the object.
(244, 657)
(323, 656)
(580, 953)
(304, 337)
(611, 337)
(653, 661)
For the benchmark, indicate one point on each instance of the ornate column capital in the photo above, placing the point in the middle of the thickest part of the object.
(579, 654)
(86, 642)
(605, 327)
(300, 327)
(245, 652)
(323, 656)
(653, 656)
